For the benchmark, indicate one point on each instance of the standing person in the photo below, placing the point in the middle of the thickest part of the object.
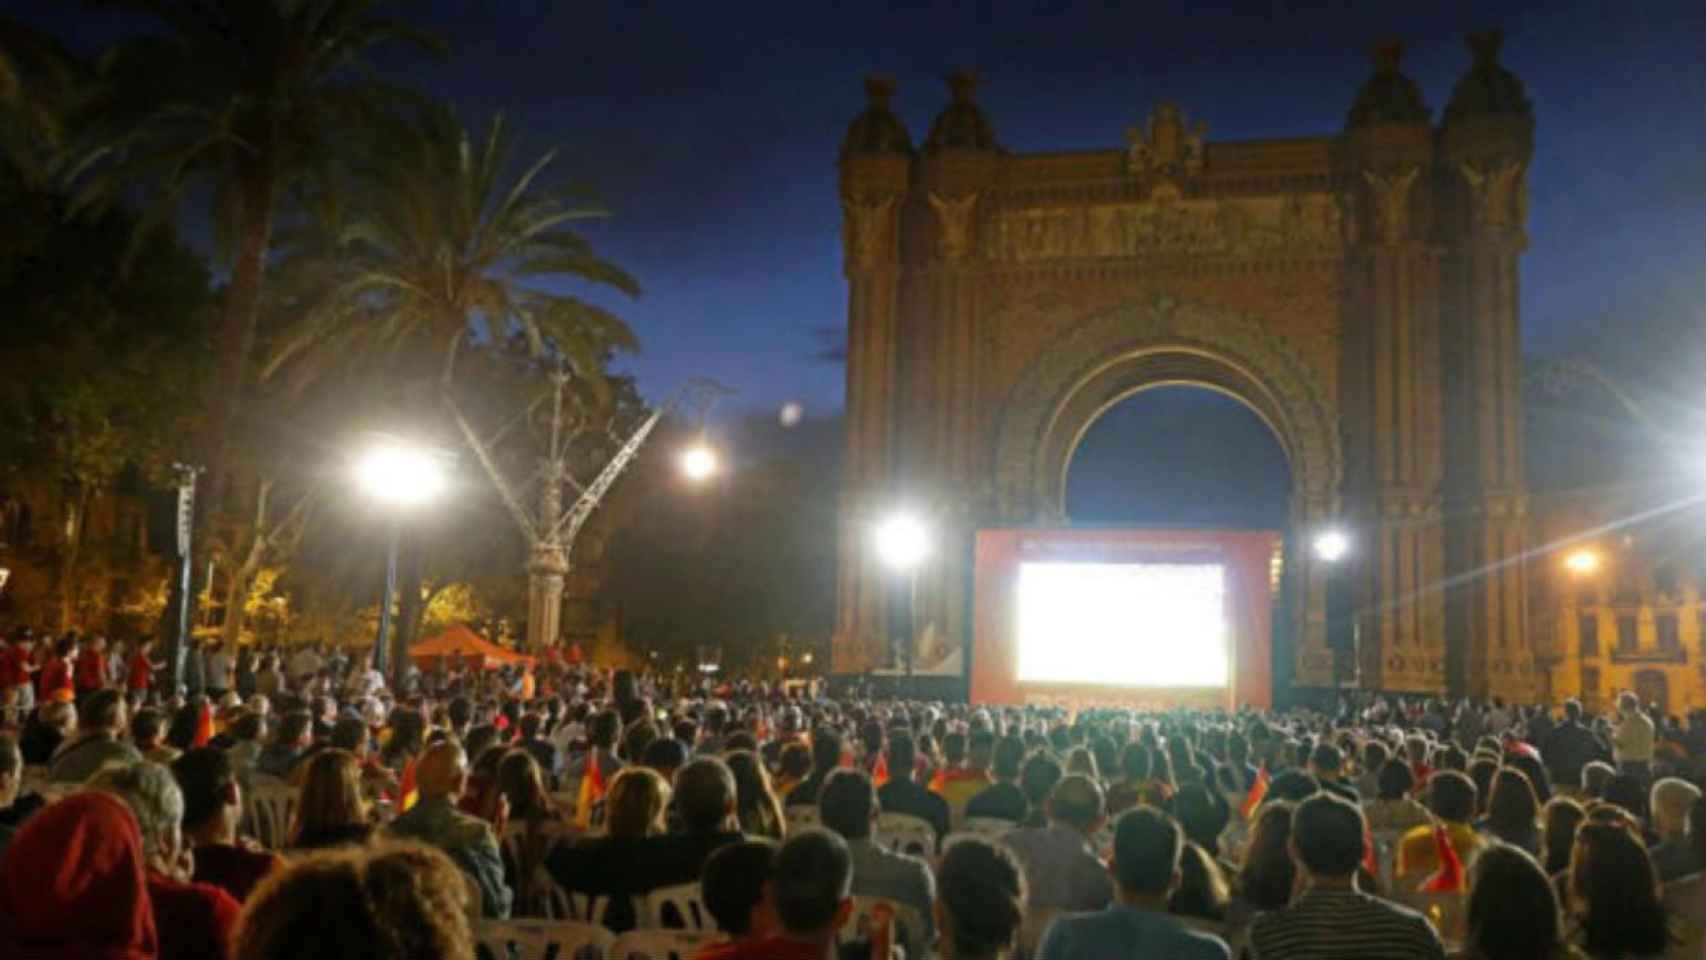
(90, 670)
(1632, 739)
(55, 679)
(195, 668)
(246, 673)
(221, 671)
(1330, 919)
(17, 665)
(1145, 867)
(139, 672)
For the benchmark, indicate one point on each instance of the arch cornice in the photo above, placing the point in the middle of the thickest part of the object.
(1138, 346)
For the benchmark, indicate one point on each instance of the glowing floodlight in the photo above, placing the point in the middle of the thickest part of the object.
(1582, 562)
(902, 541)
(1331, 546)
(699, 462)
(400, 475)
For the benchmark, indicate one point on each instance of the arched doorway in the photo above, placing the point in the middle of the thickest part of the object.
(1179, 455)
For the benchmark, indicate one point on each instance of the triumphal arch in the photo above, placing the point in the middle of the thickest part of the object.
(1357, 290)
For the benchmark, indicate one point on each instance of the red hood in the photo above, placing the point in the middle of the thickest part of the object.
(73, 887)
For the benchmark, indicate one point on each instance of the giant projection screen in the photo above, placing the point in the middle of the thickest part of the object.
(1160, 616)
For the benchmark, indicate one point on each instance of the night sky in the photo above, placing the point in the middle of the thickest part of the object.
(711, 130)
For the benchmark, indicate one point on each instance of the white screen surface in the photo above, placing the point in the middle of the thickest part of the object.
(1123, 624)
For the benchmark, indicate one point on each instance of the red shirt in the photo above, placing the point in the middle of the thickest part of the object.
(194, 920)
(91, 671)
(769, 948)
(55, 675)
(141, 671)
(13, 659)
(233, 869)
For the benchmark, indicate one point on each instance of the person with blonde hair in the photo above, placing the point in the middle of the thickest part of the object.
(389, 902)
(756, 805)
(1673, 855)
(635, 803)
(330, 808)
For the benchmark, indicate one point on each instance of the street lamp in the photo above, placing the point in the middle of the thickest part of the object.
(700, 462)
(1582, 562)
(1332, 545)
(902, 543)
(399, 477)
(1344, 634)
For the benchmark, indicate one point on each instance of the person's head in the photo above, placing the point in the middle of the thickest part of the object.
(1513, 806)
(1573, 711)
(152, 795)
(705, 795)
(350, 733)
(980, 899)
(902, 755)
(1451, 796)
(602, 730)
(1203, 813)
(1037, 778)
(753, 796)
(442, 771)
(391, 902)
(1595, 775)
(635, 802)
(105, 710)
(520, 781)
(1628, 702)
(1293, 785)
(1009, 755)
(1395, 780)
(1327, 837)
(212, 798)
(11, 769)
(1626, 791)
(1326, 762)
(1375, 754)
(295, 730)
(148, 729)
(848, 804)
(731, 886)
(1268, 871)
(74, 883)
(811, 885)
(1615, 891)
(1203, 891)
(329, 797)
(1560, 819)
(665, 755)
(1513, 908)
(1673, 798)
(1077, 802)
(1146, 853)
(826, 751)
(980, 749)
(795, 762)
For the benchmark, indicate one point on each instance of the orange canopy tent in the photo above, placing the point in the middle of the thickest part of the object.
(463, 643)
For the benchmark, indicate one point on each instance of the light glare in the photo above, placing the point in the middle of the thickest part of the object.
(1582, 562)
(698, 462)
(1332, 545)
(902, 542)
(399, 475)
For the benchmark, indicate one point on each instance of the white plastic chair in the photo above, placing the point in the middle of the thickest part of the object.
(680, 902)
(545, 897)
(905, 833)
(908, 926)
(801, 818)
(989, 828)
(659, 945)
(270, 807)
(534, 939)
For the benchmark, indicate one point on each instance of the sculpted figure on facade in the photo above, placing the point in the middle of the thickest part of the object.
(868, 228)
(957, 217)
(1167, 144)
(1498, 193)
(1390, 194)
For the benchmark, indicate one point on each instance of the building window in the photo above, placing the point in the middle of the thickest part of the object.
(1587, 634)
(1590, 685)
(1627, 633)
(1669, 640)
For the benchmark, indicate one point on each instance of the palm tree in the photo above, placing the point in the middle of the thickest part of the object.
(39, 84)
(439, 250)
(238, 98)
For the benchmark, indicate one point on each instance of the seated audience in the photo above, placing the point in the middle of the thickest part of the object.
(848, 805)
(902, 794)
(75, 885)
(1203, 813)
(1394, 807)
(331, 810)
(1203, 893)
(960, 783)
(1145, 867)
(1673, 798)
(1327, 766)
(732, 888)
(1595, 776)
(1330, 919)
(441, 775)
(295, 734)
(1037, 778)
(49, 726)
(390, 902)
(1513, 909)
(826, 757)
(1002, 800)
(756, 805)
(809, 893)
(15, 806)
(194, 920)
(980, 904)
(98, 740)
(1269, 874)
(1064, 871)
(148, 735)
(634, 804)
(213, 807)
(1558, 834)
(1451, 797)
(1614, 894)
(1513, 813)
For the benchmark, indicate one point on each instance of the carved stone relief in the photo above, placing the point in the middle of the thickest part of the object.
(1390, 194)
(868, 226)
(1498, 193)
(1296, 224)
(957, 217)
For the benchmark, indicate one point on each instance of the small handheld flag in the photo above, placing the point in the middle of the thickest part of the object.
(203, 726)
(1258, 790)
(1449, 877)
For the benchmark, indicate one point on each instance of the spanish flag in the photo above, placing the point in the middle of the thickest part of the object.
(407, 792)
(880, 770)
(592, 790)
(1449, 877)
(1258, 790)
(203, 726)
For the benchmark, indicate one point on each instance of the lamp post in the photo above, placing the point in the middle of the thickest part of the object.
(400, 477)
(902, 543)
(1344, 633)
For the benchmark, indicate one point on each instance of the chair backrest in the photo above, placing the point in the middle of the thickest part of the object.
(905, 833)
(660, 945)
(908, 925)
(270, 809)
(989, 828)
(535, 940)
(1448, 912)
(538, 894)
(801, 817)
(678, 907)
(1685, 902)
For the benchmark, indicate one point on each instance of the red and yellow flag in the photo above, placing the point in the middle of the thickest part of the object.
(1449, 877)
(1258, 790)
(880, 770)
(203, 726)
(591, 791)
(407, 792)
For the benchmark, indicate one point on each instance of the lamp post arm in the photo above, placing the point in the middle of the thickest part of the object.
(505, 492)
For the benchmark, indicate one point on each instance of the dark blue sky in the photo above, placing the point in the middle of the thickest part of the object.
(711, 130)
